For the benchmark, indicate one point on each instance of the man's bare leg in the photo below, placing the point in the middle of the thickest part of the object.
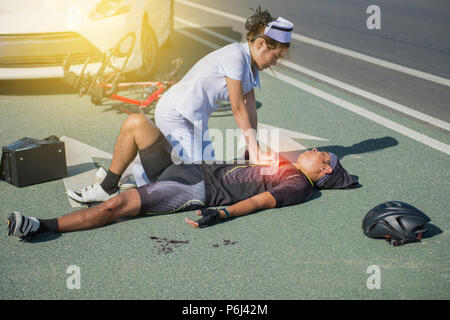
(126, 204)
(137, 133)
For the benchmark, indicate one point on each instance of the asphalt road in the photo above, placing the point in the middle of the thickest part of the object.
(413, 34)
(314, 250)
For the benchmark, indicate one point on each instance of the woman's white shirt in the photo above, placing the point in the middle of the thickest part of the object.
(200, 91)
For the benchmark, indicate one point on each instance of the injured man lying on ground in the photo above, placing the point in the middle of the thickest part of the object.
(238, 189)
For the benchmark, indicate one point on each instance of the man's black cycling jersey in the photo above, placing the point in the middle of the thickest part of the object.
(225, 184)
(231, 183)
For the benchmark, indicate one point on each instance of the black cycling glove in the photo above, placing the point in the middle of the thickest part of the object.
(210, 217)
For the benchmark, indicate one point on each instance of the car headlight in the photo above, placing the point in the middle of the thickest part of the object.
(109, 8)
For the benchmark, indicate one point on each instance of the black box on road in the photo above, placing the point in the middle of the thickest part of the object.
(30, 161)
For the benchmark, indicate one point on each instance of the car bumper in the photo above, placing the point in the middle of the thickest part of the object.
(57, 71)
(41, 55)
(44, 49)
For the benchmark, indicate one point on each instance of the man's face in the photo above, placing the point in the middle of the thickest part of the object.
(315, 160)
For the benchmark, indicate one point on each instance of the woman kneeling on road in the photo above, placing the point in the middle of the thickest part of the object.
(227, 74)
(182, 114)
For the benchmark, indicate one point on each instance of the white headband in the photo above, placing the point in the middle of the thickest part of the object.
(279, 30)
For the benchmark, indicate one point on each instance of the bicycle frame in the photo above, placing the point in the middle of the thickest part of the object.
(141, 103)
(106, 82)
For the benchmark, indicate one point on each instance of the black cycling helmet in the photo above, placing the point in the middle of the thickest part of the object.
(395, 221)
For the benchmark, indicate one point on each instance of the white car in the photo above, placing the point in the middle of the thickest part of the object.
(36, 35)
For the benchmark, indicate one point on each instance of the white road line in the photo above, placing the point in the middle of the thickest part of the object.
(205, 30)
(367, 114)
(445, 148)
(334, 48)
(213, 11)
(368, 95)
(201, 40)
(386, 102)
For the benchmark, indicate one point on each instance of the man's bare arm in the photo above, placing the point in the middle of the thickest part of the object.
(261, 201)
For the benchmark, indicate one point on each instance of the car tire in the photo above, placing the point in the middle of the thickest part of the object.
(149, 47)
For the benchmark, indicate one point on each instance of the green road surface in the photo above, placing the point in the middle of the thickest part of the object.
(314, 250)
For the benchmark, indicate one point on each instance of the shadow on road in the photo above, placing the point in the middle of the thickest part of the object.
(369, 145)
(34, 87)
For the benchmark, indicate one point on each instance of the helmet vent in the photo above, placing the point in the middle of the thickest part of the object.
(370, 228)
(400, 222)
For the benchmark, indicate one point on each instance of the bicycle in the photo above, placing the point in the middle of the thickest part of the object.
(105, 83)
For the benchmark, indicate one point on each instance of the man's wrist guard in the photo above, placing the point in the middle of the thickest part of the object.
(210, 217)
